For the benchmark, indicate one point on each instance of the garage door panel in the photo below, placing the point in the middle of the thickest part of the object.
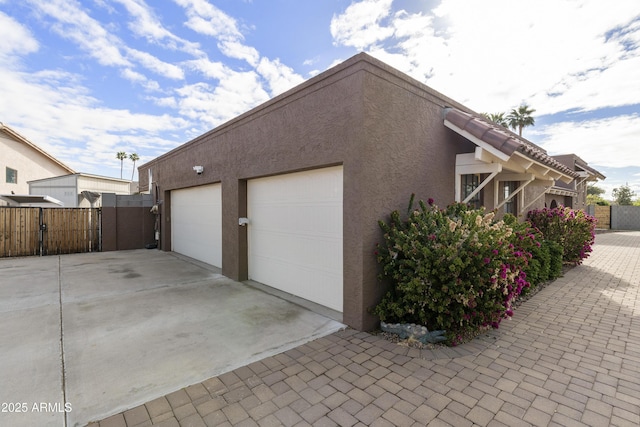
(295, 234)
(196, 223)
(311, 252)
(299, 220)
(306, 281)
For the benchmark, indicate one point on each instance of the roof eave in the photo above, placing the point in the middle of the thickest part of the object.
(16, 136)
(506, 147)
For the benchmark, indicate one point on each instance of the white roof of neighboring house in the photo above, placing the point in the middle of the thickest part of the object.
(85, 175)
(21, 199)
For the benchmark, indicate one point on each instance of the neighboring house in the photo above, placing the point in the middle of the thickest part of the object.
(79, 190)
(289, 194)
(573, 194)
(22, 161)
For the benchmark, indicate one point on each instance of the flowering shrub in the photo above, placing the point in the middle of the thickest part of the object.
(573, 230)
(453, 269)
(545, 262)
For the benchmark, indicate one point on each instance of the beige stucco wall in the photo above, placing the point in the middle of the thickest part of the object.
(559, 200)
(68, 188)
(100, 184)
(29, 163)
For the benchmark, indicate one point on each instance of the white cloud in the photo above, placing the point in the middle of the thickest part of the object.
(152, 63)
(55, 111)
(617, 85)
(133, 76)
(610, 142)
(210, 69)
(88, 133)
(167, 101)
(147, 25)
(310, 62)
(210, 105)
(238, 50)
(360, 24)
(495, 54)
(141, 79)
(556, 54)
(75, 24)
(279, 77)
(16, 39)
(530, 48)
(205, 18)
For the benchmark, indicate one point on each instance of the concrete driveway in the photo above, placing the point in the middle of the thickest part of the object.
(86, 336)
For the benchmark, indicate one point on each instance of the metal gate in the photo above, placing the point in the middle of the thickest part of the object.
(49, 231)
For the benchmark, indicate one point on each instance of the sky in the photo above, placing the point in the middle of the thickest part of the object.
(86, 79)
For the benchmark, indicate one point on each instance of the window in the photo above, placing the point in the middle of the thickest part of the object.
(511, 206)
(12, 176)
(469, 183)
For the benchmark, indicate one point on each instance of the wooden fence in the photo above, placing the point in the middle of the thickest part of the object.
(603, 216)
(48, 231)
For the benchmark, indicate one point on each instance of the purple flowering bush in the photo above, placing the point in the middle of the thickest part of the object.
(573, 230)
(454, 269)
(545, 256)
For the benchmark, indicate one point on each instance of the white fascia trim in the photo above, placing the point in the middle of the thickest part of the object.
(480, 143)
(467, 164)
(555, 174)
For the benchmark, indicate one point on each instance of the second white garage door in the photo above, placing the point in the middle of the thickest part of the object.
(295, 234)
(196, 223)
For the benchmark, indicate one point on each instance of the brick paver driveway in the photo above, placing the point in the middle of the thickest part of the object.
(569, 357)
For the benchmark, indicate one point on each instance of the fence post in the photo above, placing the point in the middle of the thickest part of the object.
(40, 232)
(99, 229)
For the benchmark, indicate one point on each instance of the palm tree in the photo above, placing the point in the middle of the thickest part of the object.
(121, 155)
(497, 118)
(520, 118)
(134, 157)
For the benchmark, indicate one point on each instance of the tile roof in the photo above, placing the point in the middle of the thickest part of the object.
(502, 139)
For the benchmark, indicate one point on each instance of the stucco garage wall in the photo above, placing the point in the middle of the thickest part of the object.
(405, 149)
(383, 127)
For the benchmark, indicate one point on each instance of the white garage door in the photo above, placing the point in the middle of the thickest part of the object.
(196, 223)
(295, 234)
